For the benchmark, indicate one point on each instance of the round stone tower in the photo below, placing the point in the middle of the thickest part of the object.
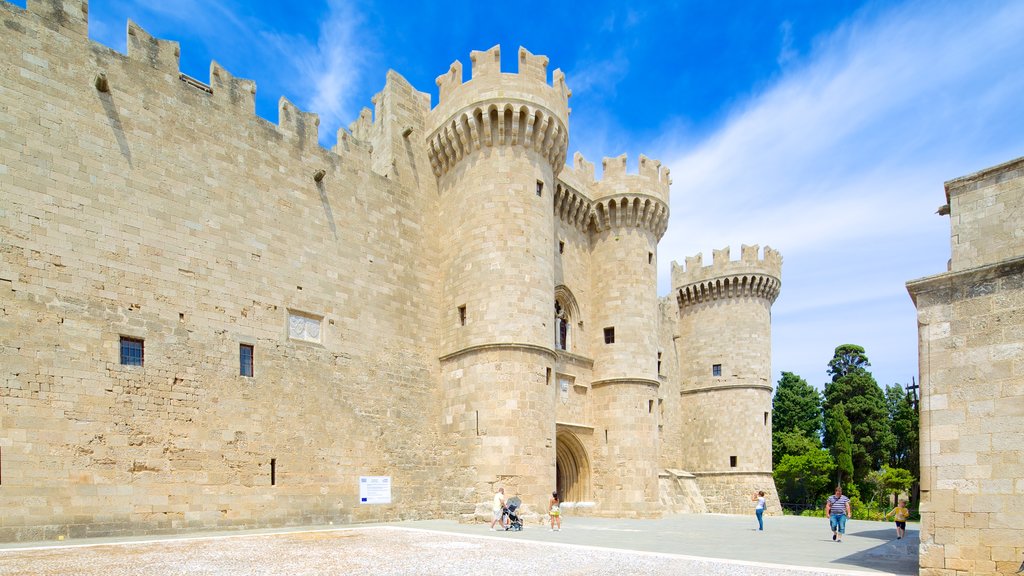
(725, 368)
(496, 144)
(630, 216)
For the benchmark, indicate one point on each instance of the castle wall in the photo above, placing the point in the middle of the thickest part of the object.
(158, 210)
(971, 338)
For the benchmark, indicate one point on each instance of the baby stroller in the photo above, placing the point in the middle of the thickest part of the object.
(512, 505)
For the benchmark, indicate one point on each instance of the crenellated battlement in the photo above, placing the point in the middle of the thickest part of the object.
(499, 109)
(485, 70)
(652, 180)
(149, 60)
(751, 275)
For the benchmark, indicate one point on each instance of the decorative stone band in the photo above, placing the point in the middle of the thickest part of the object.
(766, 387)
(631, 211)
(740, 286)
(949, 287)
(619, 211)
(630, 381)
(498, 346)
(712, 473)
(498, 123)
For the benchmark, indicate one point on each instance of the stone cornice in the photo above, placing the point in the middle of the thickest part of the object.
(765, 387)
(497, 346)
(964, 284)
(620, 381)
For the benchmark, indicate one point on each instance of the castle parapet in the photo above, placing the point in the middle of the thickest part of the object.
(652, 179)
(151, 51)
(72, 15)
(304, 126)
(237, 93)
(750, 276)
(499, 109)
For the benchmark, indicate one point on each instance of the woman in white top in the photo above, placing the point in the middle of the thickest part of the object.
(759, 509)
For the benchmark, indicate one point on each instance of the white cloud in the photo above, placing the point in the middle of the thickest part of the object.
(786, 51)
(327, 72)
(839, 164)
(599, 78)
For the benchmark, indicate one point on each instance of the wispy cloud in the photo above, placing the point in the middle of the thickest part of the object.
(786, 51)
(599, 78)
(840, 165)
(327, 72)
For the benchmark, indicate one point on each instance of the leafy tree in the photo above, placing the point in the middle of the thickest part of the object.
(839, 440)
(792, 443)
(896, 479)
(864, 406)
(796, 406)
(888, 481)
(847, 358)
(905, 425)
(802, 479)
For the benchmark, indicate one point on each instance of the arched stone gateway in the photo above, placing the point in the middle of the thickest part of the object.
(572, 468)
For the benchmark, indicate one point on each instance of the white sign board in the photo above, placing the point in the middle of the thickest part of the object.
(375, 489)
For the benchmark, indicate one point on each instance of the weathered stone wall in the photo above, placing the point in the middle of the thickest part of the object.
(985, 216)
(971, 328)
(159, 211)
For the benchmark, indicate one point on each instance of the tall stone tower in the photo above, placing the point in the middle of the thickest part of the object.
(630, 216)
(725, 368)
(496, 144)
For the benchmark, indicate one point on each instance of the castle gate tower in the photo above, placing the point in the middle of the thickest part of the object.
(630, 216)
(725, 367)
(496, 144)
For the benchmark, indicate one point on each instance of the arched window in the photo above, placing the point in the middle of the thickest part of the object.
(562, 322)
(568, 321)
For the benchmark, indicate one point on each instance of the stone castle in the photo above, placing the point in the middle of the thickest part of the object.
(209, 320)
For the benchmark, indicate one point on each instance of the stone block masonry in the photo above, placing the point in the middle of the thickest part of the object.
(971, 333)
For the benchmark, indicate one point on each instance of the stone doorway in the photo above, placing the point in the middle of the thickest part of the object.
(572, 468)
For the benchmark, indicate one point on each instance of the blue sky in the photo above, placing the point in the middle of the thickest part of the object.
(824, 129)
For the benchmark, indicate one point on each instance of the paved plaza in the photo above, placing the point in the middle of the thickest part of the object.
(684, 544)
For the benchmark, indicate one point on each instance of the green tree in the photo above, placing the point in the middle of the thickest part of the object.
(895, 480)
(792, 443)
(887, 481)
(803, 479)
(904, 422)
(839, 440)
(863, 401)
(796, 406)
(846, 359)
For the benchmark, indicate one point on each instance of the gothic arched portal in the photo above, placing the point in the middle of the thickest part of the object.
(572, 468)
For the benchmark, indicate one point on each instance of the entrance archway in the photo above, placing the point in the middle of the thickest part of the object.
(572, 468)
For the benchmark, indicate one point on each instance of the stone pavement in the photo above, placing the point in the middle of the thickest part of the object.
(684, 544)
(788, 540)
